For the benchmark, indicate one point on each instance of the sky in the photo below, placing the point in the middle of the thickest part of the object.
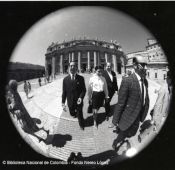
(93, 22)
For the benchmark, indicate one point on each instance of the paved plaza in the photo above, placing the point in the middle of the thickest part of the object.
(65, 134)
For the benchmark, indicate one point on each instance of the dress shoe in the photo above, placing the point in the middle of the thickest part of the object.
(111, 125)
(116, 147)
(117, 130)
(41, 139)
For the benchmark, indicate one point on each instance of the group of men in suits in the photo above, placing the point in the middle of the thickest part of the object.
(133, 99)
(74, 91)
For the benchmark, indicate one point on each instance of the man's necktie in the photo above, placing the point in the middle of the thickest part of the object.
(73, 76)
(142, 83)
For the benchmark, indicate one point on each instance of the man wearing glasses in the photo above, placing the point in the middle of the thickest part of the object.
(133, 103)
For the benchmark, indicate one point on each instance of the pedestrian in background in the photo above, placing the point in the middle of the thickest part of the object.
(26, 88)
(29, 86)
(39, 81)
(162, 105)
(97, 92)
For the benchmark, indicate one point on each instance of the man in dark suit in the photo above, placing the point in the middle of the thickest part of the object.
(133, 102)
(74, 91)
(111, 81)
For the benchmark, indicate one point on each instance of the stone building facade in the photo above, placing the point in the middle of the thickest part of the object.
(87, 53)
(157, 62)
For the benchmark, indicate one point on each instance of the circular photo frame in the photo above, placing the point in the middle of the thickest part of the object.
(89, 86)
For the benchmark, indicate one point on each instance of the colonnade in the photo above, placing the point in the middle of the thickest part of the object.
(113, 58)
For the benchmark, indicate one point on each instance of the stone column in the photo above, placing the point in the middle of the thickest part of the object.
(114, 60)
(79, 61)
(73, 56)
(116, 65)
(106, 57)
(61, 63)
(95, 59)
(69, 57)
(98, 58)
(46, 69)
(89, 60)
(53, 67)
(122, 65)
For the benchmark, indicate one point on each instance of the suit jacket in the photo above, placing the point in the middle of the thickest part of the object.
(73, 89)
(129, 105)
(112, 85)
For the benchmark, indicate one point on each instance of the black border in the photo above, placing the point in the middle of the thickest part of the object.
(17, 17)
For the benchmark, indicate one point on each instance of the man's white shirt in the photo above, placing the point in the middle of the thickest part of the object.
(110, 75)
(140, 83)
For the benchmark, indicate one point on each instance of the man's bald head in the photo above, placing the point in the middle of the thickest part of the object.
(139, 60)
(140, 65)
(108, 66)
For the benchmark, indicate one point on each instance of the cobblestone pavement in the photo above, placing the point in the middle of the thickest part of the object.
(65, 134)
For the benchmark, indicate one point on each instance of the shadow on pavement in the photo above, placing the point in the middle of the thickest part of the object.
(18, 111)
(57, 140)
(101, 117)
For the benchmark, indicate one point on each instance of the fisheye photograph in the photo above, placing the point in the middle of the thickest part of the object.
(88, 86)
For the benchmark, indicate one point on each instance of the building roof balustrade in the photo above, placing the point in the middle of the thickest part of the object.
(156, 62)
(56, 46)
